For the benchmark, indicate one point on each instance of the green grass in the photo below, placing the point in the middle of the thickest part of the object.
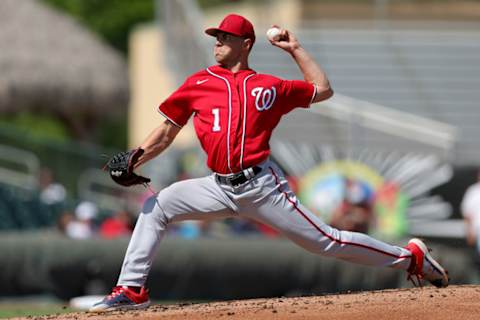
(19, 309)
(11, 310)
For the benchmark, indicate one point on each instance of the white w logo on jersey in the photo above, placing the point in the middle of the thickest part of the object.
(264, 98)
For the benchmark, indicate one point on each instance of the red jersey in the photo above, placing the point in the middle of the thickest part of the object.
(235, 113)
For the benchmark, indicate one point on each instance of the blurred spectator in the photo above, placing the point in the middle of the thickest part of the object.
(356, 211)
(267, 231)
(189, 229)
(118, 225)
(64, 220)
(293, 183)
(81, 226)
(51, 192)
(470, 207)
(242, 226)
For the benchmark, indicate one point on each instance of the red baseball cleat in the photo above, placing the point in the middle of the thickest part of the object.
(423, 266)
(122, 298)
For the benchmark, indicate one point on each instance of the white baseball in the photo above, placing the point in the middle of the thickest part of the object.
(274, 34)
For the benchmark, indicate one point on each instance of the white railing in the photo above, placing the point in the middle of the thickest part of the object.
(18, 168)
(96, 185)
(397, 123)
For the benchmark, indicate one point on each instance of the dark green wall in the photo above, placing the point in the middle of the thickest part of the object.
(201, 269)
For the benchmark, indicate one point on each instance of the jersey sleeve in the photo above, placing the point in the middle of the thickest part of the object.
(296, 94)
(178, 106)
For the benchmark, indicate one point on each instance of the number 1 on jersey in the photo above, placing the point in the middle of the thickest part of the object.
(216, 120)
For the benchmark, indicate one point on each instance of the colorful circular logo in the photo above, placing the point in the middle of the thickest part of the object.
(352, 196)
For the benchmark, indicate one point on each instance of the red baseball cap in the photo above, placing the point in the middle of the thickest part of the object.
(236, 25)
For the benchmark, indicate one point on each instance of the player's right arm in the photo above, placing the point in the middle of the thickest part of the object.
(311, 71)
(157, 141)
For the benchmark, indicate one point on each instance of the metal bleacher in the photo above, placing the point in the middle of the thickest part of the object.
(431, 70)
(20, 204)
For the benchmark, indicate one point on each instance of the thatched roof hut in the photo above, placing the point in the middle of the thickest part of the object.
(49, 62)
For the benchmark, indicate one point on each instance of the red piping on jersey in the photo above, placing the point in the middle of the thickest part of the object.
(323, 232)
(229, 114)
(244, 117)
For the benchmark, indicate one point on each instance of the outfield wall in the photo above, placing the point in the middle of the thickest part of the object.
(202, 269)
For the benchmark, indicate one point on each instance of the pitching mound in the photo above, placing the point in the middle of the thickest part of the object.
(455, 302)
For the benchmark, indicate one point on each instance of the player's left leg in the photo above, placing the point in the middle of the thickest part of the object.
(281, 209)
(193, 199)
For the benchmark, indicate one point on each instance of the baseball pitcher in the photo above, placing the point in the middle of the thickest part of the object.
(235, 110)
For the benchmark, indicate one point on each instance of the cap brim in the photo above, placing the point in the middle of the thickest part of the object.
(212, 31)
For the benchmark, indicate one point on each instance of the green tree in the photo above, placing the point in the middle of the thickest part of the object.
(112, 20)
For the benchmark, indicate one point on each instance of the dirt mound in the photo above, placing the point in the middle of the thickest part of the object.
(455, 302)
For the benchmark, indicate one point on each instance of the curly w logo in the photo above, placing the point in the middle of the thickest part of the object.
(264, 98)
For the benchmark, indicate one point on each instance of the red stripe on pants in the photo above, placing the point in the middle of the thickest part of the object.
(323, 232)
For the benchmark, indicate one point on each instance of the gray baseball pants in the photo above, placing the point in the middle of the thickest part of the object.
(266, 198)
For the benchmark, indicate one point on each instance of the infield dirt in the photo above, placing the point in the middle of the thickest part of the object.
(455, 302)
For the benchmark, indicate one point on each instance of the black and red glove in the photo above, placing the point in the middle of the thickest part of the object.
(121, 165)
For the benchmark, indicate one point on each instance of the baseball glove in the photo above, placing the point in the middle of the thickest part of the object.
(120, 167)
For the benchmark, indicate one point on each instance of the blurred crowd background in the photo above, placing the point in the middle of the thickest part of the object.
(392, 154)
